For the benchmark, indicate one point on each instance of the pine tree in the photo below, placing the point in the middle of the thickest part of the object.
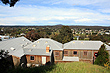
(102, 56)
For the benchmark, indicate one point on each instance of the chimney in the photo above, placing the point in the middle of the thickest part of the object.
(47, 49)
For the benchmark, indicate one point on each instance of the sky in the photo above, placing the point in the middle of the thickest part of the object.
(53, 12)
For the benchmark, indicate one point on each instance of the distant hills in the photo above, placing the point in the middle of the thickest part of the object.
(60, 25)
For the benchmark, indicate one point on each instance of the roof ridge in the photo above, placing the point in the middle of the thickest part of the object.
(67, 44)
(56, 44)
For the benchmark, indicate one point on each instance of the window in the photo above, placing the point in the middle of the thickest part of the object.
(56, 53)
(85, 53)
(75, 52)
(65, 52)
(47, 49)
(31, 57)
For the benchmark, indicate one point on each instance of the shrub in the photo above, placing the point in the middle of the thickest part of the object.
(102, 56)
(4, 62)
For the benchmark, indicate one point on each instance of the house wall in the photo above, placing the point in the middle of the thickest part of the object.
(37, 59)
(58, 57)
(16, 61)
(80, 54)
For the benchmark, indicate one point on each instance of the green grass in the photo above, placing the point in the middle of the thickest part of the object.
(73, 67)
(79, 67)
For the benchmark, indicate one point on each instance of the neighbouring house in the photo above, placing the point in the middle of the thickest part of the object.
(4, 37)
(15, 49)
(82, 50)
(43, 51)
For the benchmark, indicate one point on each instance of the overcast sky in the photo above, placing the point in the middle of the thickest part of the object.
(52, 12)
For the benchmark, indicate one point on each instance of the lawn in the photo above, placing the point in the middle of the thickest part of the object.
(73, 67)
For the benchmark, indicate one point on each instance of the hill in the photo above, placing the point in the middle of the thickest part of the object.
(59, 26)
(73, 67)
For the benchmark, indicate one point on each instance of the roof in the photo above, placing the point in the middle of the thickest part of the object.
(39, 47)
(37, 52)
(42, 43)
(84, 45)
(15, 46)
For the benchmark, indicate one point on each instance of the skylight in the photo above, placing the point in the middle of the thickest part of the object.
(34, 45)
(46, 42)
(12, 48)
(37, 41)
(30, 50)
(23, 39)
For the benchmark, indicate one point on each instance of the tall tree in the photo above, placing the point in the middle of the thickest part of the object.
(32, 35)
(102, 56)
(65, 35)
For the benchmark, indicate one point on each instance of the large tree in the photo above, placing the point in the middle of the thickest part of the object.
(10, 2)
(102, 56)
(65, 35)
(32, 35)
(5, 64)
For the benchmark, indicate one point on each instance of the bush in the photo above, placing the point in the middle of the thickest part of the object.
(4, 62)
(102, 56)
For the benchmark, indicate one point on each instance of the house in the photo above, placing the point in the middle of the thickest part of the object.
(43, 51)
(46, 51)
(82, 50)
(15, 48)
(4, 37)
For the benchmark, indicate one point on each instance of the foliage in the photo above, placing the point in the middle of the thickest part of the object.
(72, 67)
(4, 63)
(103, 38)
(32, 35)
(107, 65)
(102, 56)
(65, 35)
(10, 2)
(78, 67)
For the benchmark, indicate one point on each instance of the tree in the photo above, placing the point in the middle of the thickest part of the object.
(65, 35)
(102, 56)
(4, 62)
(98, 37)
(32, 35)
(10, 2)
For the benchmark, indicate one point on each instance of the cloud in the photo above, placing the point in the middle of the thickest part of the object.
(40, 14)
(83, 20)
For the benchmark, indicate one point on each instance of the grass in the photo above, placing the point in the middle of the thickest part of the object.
(79, 67)
(73, 67)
